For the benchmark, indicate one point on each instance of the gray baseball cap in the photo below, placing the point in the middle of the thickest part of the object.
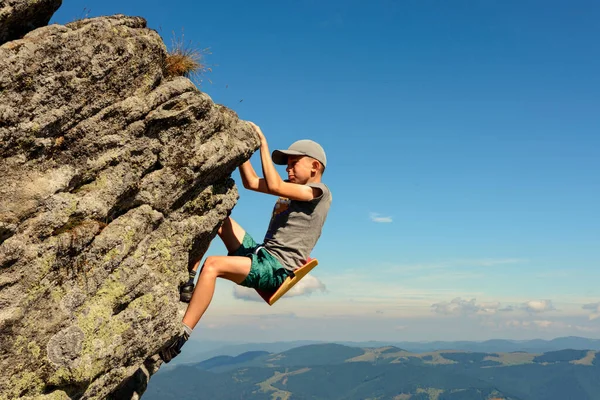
(302, 147)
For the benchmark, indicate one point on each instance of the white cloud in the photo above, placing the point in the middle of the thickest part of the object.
(380, 218)
(458, 306)
(309, 284)
(506, 309)
(538, 306)
(513, 323)
(587, 328)
(535, 324)
(488, 308)
(278, 316)
(543, 324)
(595, 310)
(342, 319)
(245, 293)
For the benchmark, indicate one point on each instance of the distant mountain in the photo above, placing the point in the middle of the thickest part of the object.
(496, 345)
(333, 371)
(316, 354)
(575, 342)
(196, 351)
(224, 361)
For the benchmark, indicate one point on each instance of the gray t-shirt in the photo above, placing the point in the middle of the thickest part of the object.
(296, 226)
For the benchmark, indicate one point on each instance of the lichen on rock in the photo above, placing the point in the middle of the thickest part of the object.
(113, 180)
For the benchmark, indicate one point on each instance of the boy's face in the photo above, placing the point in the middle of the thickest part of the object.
(301, 168)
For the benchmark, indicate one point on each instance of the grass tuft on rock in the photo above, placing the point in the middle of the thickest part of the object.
(185, 59)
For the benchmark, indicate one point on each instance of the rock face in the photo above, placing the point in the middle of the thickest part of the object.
(113, 180)
(17, 17)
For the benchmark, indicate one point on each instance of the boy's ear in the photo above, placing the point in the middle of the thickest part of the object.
(319, 167)
(316, 165)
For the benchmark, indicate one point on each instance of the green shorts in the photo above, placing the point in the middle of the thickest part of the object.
(266, 272)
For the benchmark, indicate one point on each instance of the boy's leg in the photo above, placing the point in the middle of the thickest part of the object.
(232, 235)
(235, 269)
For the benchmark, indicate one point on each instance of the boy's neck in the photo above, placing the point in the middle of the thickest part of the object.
(314, 179)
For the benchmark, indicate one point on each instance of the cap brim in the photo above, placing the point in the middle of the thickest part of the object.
(279, 157)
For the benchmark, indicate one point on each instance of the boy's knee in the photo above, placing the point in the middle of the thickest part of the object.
(211, 266)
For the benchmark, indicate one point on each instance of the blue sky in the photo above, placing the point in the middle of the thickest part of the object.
(463, 150)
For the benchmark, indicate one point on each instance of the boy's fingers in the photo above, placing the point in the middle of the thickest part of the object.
(256, 128)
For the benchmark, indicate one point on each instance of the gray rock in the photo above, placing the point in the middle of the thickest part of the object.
(65, 346)
(17, 17)
(113, 180)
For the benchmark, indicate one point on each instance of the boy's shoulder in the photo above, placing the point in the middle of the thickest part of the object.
(319, 184)
(323, 190)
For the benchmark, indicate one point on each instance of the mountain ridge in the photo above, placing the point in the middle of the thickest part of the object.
(191, 355)
(321, 372)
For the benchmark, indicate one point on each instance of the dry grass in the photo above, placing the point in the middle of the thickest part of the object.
(185, 60)
(587, 360)
(434, 394)
(279, 394)
(508, 359)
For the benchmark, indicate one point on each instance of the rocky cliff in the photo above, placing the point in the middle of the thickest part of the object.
(114, 178)
(17, 17)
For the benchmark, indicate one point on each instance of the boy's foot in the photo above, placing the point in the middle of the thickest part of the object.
(171, 351)
(186, 291)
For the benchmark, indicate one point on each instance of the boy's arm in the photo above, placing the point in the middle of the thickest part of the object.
(272, 182)
(250, 180)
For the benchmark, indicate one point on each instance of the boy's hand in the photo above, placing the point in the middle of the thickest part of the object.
(258, 132)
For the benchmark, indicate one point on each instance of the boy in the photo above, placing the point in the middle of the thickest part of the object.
(295, 227)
